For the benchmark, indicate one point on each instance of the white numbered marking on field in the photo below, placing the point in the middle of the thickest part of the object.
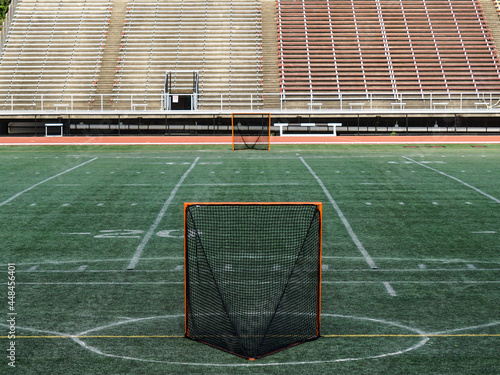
(168, 233)
(128, 233)
(120, 233)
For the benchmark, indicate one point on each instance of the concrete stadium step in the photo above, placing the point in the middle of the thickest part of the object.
(111, 51)
(270, 64)
(492, 17)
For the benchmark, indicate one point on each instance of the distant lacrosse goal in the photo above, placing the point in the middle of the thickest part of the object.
(251, 131)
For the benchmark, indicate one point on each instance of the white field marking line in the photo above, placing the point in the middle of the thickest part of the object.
(44, 181)
(97, 271)
(253, 184)
(79, 340)
(53, 333)
(421, 269)
(325, 269)
(492, 324)
(353, 235)
(456, 179)
(95, 261)
(449, 282)
(149, 234)
(134, 185)
(445, 261)
(390, 289)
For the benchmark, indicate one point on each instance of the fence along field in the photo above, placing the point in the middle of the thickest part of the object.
(425, 217)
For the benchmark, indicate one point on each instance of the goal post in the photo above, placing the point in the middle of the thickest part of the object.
(251, 131)
(252, 275)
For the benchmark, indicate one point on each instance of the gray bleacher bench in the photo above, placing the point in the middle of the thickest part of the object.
(401, 105)
(314, 104)
(440, 104)
(356, 104)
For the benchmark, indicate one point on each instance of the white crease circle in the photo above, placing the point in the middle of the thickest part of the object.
(80, 341)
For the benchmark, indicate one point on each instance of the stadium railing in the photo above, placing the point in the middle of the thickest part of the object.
(351, 102)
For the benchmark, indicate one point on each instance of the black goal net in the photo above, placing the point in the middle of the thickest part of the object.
(251, 131)
(252, 275)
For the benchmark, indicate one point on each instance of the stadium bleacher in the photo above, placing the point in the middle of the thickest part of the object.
(67, 55)
(55, 48)
(388, 46)
(53, 51)
(220, 40)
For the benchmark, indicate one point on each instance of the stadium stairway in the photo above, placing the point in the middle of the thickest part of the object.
(110, 55)
(493, 19)
(271, 79)
(219, 39)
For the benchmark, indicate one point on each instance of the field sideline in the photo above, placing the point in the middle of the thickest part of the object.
(93, 232)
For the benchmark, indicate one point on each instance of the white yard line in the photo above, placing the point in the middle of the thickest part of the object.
(325, 268)
(44, 181)
(147, 237)
(253, 184)
(456, 179)
(390, 289)
(59, 262)
(449, 282)
(353, 235)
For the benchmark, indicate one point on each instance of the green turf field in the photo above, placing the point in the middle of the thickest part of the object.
(411, 256)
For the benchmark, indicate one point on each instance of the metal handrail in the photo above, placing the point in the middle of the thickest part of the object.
(344, 103)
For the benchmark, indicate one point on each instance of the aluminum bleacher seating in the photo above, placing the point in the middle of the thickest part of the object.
(53, 52)
(222, 41)
(55, 48)
(372, 46)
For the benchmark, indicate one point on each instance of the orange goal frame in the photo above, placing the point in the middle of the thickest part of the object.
(320, 208)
